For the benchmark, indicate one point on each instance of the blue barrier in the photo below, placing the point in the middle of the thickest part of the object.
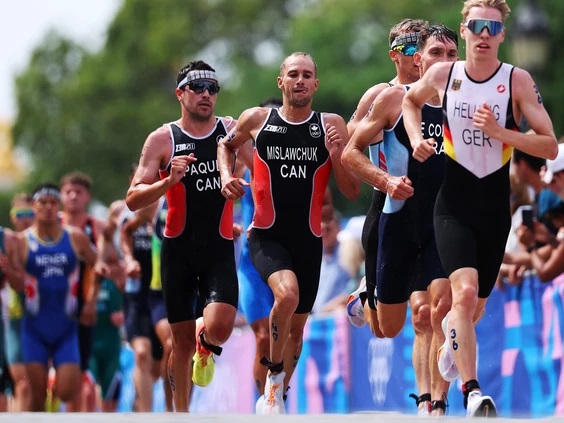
(344, 369)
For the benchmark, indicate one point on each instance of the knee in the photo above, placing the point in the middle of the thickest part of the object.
(262, 337)
(421, 318)
(390, 328)
(287, 303)
(466, 299)
(219, 333)
(438, 312)
(143, 356)
(296, 336)
(183, 346)
(23, 388)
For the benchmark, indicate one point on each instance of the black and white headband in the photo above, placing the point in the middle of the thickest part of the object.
(47, 192)
(197, 74)
(403, 39)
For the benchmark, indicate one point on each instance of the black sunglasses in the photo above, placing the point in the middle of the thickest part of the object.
(200, 86)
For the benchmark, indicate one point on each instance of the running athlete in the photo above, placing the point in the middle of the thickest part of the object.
(106, 348)
(135, 234)
(21, 216)
(403, 44)
(255, 297)
(156, 298)
(75, 196)
(483, 101)
(295, 149)
(408, 264)
(197, 257)
(11, 275)
(50, 253)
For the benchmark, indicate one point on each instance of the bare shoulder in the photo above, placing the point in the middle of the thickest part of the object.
(229, 122)
(392, 93)
(162, 132)
(159, 139)
(254, 116)
(374, 91)
(77, 234)
(522, 80)
(438, 72)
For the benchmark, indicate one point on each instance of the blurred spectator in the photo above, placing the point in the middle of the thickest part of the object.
(106, 348)
(76, 194)
(21, 216)
(342, 264)
(351, 253)
(517, 259)
(333, 277)
(546, 246)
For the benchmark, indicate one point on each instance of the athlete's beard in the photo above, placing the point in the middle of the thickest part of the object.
(294, 102)
(200, 117)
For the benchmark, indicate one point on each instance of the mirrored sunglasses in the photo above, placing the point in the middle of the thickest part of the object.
(406, 49)
(200, 86)
(22, 213)
(478, 25)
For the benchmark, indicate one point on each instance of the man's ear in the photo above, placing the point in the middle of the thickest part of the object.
(417, 59)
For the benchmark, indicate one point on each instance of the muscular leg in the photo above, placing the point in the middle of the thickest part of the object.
(22, 389)
(262, 339)
(219, 319)
(421, 322)
(294, 346)
(391, 318)
(284, 286)
(441, 300)
(69, 377)
(38, 373)
(461, 321)
(142, 373)
(180, 363)
(372, 320)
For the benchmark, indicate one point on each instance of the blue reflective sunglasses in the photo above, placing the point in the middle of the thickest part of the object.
(200, 86)
(406, 49)
(478, 25)
(22, 213)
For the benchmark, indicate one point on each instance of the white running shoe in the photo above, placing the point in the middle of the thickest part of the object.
(480, 405)
(424, 409)
(259, 405)
(273, 398)
(445, 356)
(355, 308)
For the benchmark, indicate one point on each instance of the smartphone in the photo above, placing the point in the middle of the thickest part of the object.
(527, 217)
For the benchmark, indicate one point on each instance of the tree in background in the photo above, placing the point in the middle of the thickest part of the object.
(91, 111)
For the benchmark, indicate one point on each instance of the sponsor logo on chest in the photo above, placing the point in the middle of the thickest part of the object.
(185, 146)
(276, 129)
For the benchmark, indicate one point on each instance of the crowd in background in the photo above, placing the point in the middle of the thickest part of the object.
(158, 271)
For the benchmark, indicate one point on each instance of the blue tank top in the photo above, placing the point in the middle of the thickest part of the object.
(52, 286)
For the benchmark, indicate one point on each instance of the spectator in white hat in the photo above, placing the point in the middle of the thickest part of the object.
(554, 175)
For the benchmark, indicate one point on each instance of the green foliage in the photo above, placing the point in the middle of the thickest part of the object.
(92, 111)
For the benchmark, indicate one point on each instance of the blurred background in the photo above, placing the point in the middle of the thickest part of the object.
(90, 106)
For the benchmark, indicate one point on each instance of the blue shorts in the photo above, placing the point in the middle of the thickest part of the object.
(255, 297)
(38, 346)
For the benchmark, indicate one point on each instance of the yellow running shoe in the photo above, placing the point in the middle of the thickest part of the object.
(204, 363)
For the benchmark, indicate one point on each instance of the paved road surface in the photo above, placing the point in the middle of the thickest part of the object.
(232, 418)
